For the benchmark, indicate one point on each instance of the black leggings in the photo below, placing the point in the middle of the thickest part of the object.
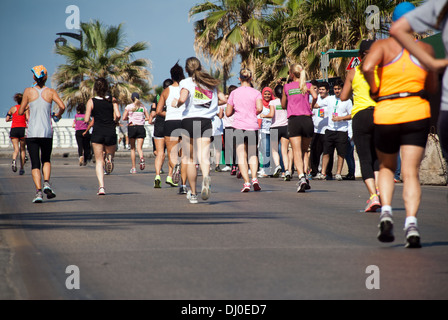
(363, 129)
(83, 144)
(39, 148)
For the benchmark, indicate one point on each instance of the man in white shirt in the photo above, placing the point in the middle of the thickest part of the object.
(336, 134)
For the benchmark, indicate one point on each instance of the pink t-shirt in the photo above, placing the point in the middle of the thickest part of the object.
(280, 118)
(298, 103)
(79, 122)
(136, 117)
(244, 102)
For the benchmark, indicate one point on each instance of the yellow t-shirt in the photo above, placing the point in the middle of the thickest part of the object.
(361, 91)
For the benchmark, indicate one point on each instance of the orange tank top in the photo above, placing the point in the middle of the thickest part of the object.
(403, 74)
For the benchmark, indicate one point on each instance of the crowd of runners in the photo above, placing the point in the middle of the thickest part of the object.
(381, 109)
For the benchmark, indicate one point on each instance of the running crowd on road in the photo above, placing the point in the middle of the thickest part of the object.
(296, 127)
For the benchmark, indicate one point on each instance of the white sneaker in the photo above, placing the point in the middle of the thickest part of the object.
(226, 169)
(338, 177)
(193, 198)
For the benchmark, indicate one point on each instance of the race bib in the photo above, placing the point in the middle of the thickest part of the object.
(202, 97)
(321, 113)
(292, 92)
(279, 107)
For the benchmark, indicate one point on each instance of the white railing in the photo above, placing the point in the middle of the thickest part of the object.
(64, 134)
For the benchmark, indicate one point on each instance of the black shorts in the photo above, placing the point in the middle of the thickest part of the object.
(170, 126)
(279, 132)
(300, 126)
(36, 146)
(136, 132)
(389, 138)
(159, 128)
(197, 127)
(105, 136)
(17, 132)
(335, 140)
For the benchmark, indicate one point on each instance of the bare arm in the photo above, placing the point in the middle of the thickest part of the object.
(221, 98)
(402, 31)
(9, 114)
(372, 60)
(161, 103)
(25, 101)
(271, 112)
(229, 110)
(183, 97)
(313, 93)
(259, 106)
(59, 102)
(89, 107)
(284, 100)
(347, 90)
(117, 114)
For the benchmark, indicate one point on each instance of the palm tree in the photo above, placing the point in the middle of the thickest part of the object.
(103, 55)
(231, 27)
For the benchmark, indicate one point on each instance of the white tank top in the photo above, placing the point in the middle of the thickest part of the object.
(39, 123)
(173, 113)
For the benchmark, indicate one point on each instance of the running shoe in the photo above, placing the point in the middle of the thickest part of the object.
(14, 166)
(373, 204)
(261, 174)
(256, 185)
(170, 181)
(301, 185)
(157, 182)
(81, 161)
(182, 190)
(307, 186)
(22, 172)
(218, 169)
(412, 237)
(386, 227)
(277, 171)
(287, 176)
(338, 177)
(142, 164)
(226, 169)
(193, 198)
(320, 176)
(205, 193)
(38, 198)
(101, 191)
(133, 170)
(349, 177)
(48, 191)
(176, 174)
(239, 175)
(233, 171)
(109, 163)
(246, 187)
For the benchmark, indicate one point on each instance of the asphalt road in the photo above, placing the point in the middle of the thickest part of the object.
(138, 242)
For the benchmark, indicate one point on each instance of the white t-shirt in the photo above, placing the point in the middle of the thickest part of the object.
(320, 115)
(217, 123)
(265, 122)
(280, 118)
(173, 113)
(201, 102)
(341, 109)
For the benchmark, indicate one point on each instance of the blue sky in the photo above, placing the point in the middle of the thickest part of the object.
(28, 30)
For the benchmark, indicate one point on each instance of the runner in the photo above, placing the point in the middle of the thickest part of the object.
(136, 114)
(159, 136)
(433, 14)
(200, 94)
(265, 134)
(295, 99)
(17, 133)
(279, 134)
(82, 134)
(401, 124)
(363, 127)
(173, 122)
(39, 133)
(245, 103)
(105, 116)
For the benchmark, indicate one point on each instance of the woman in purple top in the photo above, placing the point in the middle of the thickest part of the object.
(82, 135)
(245, 103)
(295, 99)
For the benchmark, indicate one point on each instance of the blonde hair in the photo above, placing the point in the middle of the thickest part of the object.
(137, 104)
(298, 71)
(245, 75)
(194, 70)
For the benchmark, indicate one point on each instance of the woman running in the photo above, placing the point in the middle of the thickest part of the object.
(39, 132)
(136, 114)
(279, 134)
(245, 103)
(159, 136)
(17, 133)
(295, 99)
(401, 124)
(199, 92)
(82, 134)
(173, 125)
(105, 116)
(363, 127)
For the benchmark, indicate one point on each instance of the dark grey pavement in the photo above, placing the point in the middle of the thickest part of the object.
(138, 242)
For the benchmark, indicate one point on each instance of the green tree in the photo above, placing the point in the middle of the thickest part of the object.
(231, 27)
(103, 54)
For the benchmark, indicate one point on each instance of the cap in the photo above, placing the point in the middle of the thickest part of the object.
(39, 71)
(365, 45)
(401, 9)
(135, 95)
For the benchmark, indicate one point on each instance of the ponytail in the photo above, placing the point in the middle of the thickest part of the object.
(137, 104)
(299, 72)
(194, 70)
